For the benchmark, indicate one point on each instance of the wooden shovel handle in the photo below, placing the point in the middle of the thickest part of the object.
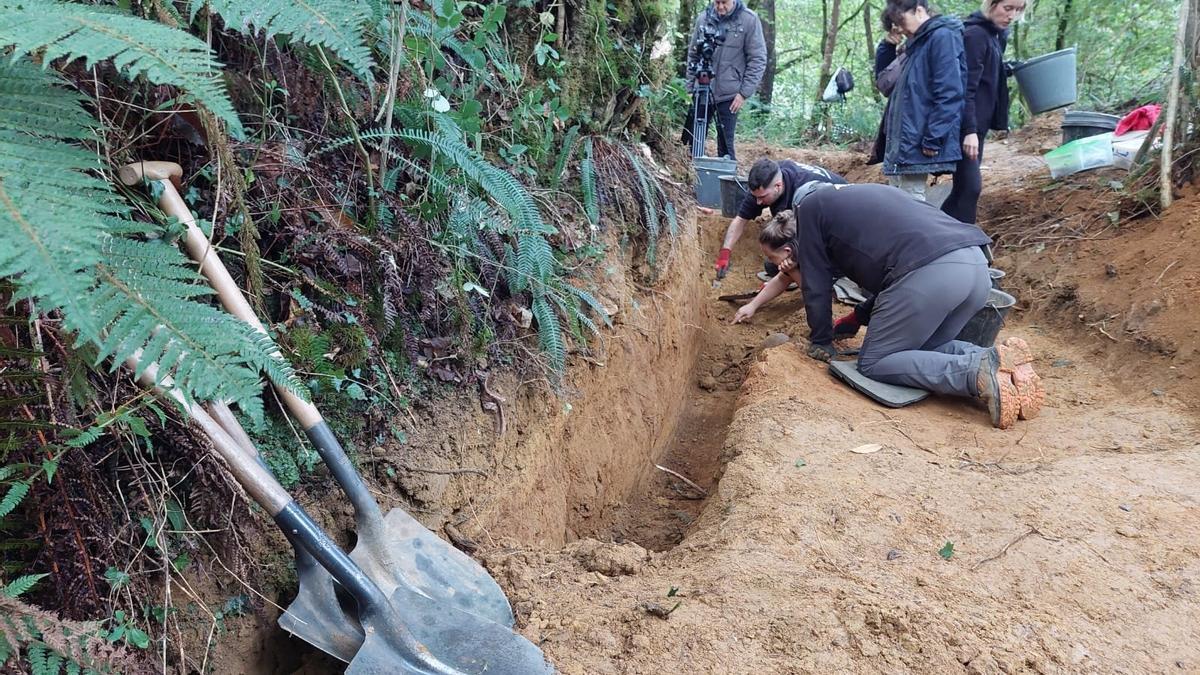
(132, 174)
(200, 249)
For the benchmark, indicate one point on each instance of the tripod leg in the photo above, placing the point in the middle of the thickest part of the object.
(700, 103)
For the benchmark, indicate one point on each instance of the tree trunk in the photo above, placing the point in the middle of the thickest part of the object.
(1020, 34)
(1064, 22)
(687, 21)
(766, 13)
(1166, 187)
(866, 12)
(830, 43)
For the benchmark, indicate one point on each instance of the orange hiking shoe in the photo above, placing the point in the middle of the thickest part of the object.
(1017, 359)
(996, 388)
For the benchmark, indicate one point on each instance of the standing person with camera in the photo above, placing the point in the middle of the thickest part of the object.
(726, 61)
(921, 131)
(984, 39)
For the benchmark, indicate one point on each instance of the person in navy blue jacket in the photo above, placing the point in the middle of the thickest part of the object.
(984, 40)
(926, 106)
(929, 277)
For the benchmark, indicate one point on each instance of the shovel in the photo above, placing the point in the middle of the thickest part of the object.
(393, 551)
(405, 632)
(315, 614)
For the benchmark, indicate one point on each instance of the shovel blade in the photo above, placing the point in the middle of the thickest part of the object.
(317, 617)
(414, 634)
(406, 554)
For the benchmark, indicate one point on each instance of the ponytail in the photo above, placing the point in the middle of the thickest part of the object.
(780, 231)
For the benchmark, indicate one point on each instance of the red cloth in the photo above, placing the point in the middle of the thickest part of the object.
(1140, 119)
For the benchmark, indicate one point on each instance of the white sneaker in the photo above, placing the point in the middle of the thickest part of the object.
(764, 277)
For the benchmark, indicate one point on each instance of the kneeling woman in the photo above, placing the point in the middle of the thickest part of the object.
(929, 276)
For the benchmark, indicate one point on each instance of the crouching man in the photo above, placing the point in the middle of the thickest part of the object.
(929, 277)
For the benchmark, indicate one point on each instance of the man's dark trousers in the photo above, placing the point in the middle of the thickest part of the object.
(726, 122)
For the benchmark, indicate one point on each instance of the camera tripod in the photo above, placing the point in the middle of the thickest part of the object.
(701, 98)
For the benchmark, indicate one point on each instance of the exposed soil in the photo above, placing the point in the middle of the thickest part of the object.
(764, 544)
(1076, 543)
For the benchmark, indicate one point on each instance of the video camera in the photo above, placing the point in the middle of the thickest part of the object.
(702, 64)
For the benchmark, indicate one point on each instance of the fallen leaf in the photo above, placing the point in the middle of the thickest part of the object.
(947, 551)
(800, 462)
(867, 449)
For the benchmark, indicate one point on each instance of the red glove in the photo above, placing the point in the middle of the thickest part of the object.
(847, 326)
(722, 264)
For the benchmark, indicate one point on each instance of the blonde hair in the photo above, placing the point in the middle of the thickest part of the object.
(987, 5)
(780, 231)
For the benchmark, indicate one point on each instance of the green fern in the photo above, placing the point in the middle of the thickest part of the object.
(495, 182)
(549, 333)
(136, 47)
(335, 24)
(492, 52)
(27, 104)
(146, 296)
(13, 497)
(587, 179)
(589, 301)
(21, 585)
(649, 200)
(672, 218)
(50, 642)
(118, 294)
(568, 148)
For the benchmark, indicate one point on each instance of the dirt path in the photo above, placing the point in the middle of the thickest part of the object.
(1075, 537)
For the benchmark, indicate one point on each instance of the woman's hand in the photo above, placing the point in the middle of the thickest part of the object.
(929, 153)
(894, 36)
(787, 265)
(744, 313)
(971, 147)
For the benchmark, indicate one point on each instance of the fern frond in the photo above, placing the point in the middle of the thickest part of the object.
(535, 263)
(591, 302)
(53, 214)
(587, 179)
(28, 104)
(337, 25)
(498, 184)
(649, 200)
(50, 639)
(162, 54)
(146, 296)
(672, 218)
(19, 586)
(549, 332)
(16, 493)
(568, 148)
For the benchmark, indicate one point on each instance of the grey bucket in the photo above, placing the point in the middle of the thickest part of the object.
(996, 275)
(983, 328)
(708, 178)
(733, 190)
(1047, 82)
(1079, 124)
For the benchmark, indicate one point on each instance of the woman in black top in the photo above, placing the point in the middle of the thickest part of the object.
(985, 36)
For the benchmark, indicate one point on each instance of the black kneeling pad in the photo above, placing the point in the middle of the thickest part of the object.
(891, 395)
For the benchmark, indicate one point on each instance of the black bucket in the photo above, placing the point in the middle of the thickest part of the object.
(1079, 124)
(983, 328)
(733, 190)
